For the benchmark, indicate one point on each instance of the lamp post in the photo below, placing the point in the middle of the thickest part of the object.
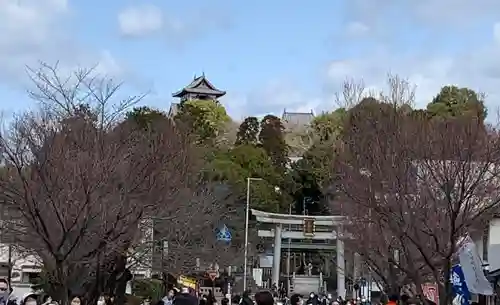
(9, 262)
(289, 253)
(247, 216)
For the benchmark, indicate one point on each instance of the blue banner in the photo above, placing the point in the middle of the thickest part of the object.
(461, 294)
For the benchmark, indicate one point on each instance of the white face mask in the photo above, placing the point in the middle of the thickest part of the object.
(30, 303)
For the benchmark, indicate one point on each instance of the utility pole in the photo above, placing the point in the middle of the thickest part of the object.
(9, 262)
(289, 252)
(247, 219)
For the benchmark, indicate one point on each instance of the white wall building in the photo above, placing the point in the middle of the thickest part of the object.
(26, 268)
(493, 247)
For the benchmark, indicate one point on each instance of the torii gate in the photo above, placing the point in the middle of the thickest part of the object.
(309, 224)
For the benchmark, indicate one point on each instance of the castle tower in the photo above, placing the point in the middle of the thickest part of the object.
(199, 89)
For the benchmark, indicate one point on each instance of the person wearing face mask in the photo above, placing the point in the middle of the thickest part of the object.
(6, 296)
(101, 300)
(296, 299)
(313, 299)
(168, 299)
(76, 300)
(30, 299)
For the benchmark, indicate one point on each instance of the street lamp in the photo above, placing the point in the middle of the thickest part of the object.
(247, 216)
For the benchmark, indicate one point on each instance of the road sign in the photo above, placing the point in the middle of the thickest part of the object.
(212, 274)
(223, 234)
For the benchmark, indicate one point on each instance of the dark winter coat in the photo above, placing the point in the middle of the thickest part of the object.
(185, 299)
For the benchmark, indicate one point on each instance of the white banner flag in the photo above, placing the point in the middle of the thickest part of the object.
(473, 269)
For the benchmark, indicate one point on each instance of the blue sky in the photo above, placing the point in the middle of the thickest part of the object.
(268, 55)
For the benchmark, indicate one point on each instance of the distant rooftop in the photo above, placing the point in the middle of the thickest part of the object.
(200, 86)
(291, 119)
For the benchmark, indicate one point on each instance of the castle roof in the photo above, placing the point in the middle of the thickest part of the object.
(200, 85)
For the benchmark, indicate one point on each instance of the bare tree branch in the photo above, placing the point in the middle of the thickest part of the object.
(415, 185)
(76, 184)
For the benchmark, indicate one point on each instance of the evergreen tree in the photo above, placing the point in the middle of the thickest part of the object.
(248, 132)
(272, 140)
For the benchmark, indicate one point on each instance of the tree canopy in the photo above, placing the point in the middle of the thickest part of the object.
(453, 101)
(205, 119)
(272, 139)
(248, 132)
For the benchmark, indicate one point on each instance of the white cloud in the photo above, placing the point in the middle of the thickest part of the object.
(40, 30)
(140, 20)
(430, 12)
(176, 26)
(430, 65)
(272, 98)
(479, 69)
(356, 29)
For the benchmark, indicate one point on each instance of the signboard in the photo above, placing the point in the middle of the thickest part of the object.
(431, 292)
(213, 271)
(223, 234)
(212, 275)
(309, 227)
(186, 282)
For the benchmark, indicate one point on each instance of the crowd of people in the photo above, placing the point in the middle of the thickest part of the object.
(8, 298)
(185, 296)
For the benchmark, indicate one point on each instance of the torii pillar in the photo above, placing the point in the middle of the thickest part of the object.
(326, 221)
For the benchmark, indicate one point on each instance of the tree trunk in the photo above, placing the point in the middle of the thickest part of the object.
(62, 288)
(394, 287)
(123, 276)
(95, 286)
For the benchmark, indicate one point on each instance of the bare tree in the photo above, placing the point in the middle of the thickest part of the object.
(76, 183)
(418, 184)
(351, 93)
(63, 94)
(188, 231)
(401, 92)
